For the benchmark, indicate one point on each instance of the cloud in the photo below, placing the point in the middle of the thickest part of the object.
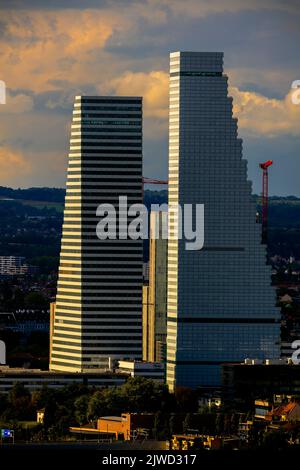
(13, 165)
(40, 49)
(152, 86)
(51, 51)
(19, 103)
(191, 7)
(196, 8)
(260, 115)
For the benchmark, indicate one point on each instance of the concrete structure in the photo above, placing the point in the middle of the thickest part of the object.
(127, 425)
(146, 272)
(34, 379)
(247, 382)
(221, 305)
(180, 442)
(287, 412)
(262, 408)
(149, 370)
(98, 314)
(51, 330)
(155, 295)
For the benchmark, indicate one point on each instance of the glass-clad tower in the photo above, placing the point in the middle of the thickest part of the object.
(98, 313)
(221, 305)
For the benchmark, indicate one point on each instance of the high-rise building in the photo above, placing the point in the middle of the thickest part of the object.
(221, 306)
(155, 294)
(98, 314)
(13, 265)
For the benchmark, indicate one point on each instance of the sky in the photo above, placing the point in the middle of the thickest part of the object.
(52, 50)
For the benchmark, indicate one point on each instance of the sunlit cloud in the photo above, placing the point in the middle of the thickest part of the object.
(19, 103)
(152, 86)
(13, 165)
(259, 115)
(52, 51)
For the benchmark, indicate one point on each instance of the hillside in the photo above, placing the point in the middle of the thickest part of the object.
(31, 221)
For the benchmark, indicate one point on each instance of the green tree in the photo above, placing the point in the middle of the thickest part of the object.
(35, 300)
(81, 408)
(186, 400)
(275, 440)
(95, 406)
(187, 423)
(158, 425)
(219, 423)
(19, 401)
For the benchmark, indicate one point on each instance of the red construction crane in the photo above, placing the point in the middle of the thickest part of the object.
(265, 189)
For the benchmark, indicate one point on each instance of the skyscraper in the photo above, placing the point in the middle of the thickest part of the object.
(98, 313)
(155, 295)
(221, 306)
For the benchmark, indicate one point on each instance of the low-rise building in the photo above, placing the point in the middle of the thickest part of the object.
(25, 321)
(287, 412)
(34, 379)
(249, 380)
(150, 370)
(262, 408)
(128, 426)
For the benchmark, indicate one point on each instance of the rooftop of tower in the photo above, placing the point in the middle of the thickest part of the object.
(197, 61)
(108, 97)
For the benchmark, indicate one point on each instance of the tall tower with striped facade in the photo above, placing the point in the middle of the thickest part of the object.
(98, 316)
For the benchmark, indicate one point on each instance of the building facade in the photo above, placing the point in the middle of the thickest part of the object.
(221, 306)
(150, 370)
(248, 381)
(155, 294)
(98, 315)
(13, 265)
(35, 379)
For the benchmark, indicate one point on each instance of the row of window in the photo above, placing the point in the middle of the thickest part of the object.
(114, 115)
(116, 100)
(104, 151)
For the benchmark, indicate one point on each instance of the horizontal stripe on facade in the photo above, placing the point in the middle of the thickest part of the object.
(117, 100)
(222, 320)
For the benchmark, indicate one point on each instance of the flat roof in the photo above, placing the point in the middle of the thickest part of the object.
(5, 370)
(113, 418)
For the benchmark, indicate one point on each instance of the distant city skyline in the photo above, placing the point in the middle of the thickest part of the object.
(50, 52)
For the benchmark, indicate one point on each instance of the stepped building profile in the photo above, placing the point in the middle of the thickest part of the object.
(98, 317)
(221, 305)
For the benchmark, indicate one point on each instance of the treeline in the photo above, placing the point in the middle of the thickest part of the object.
(77, 405)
